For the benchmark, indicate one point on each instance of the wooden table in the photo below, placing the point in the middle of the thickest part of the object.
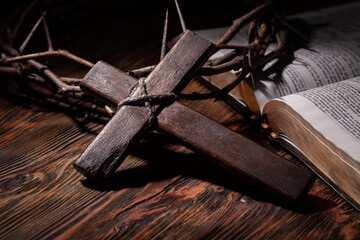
(163, 190)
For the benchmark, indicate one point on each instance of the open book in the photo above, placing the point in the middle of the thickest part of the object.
(313, 103)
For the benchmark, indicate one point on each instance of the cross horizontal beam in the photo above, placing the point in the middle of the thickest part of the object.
(110, 147)
(212, 140)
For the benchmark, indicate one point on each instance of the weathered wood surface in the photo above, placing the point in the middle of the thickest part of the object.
(163, 191)
(235, 153)
(204, 136)
(173, 73)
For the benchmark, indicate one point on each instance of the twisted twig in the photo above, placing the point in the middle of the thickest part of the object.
(242, 21)
(62, 53)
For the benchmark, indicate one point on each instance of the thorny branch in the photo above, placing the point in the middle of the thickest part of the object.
(14, 63)
(262, 24)
(27, 66)
(49, 53)
(42, 70)
(242, 21)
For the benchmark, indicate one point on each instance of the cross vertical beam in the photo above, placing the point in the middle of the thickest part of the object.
(217, 143)
(109, 148)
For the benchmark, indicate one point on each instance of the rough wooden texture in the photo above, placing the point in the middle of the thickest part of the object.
(110, 147)
(104, 77)
(235, 152)
(214, 141)
(163, 191)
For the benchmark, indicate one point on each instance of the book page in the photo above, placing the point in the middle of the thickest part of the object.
(333, 53)
(318, 66)
(334, 110)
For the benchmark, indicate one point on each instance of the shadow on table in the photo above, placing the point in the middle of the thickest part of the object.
(164, 163)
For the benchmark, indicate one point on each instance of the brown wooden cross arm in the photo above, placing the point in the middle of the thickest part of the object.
(197, 132)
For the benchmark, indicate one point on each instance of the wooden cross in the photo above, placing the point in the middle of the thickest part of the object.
(195, 131)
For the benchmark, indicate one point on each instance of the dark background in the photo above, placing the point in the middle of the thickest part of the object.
(162, 191)
(69, 21)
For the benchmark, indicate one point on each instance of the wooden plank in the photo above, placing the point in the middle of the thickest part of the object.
(234, 152)
(202, 135)
(107, 83)
(110, 147)
(158, 200)
(172, 195)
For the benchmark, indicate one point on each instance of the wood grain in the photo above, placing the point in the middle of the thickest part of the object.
(162, 190)
(106, 83)
(204, 136)
(235, 152)
(110, 147)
